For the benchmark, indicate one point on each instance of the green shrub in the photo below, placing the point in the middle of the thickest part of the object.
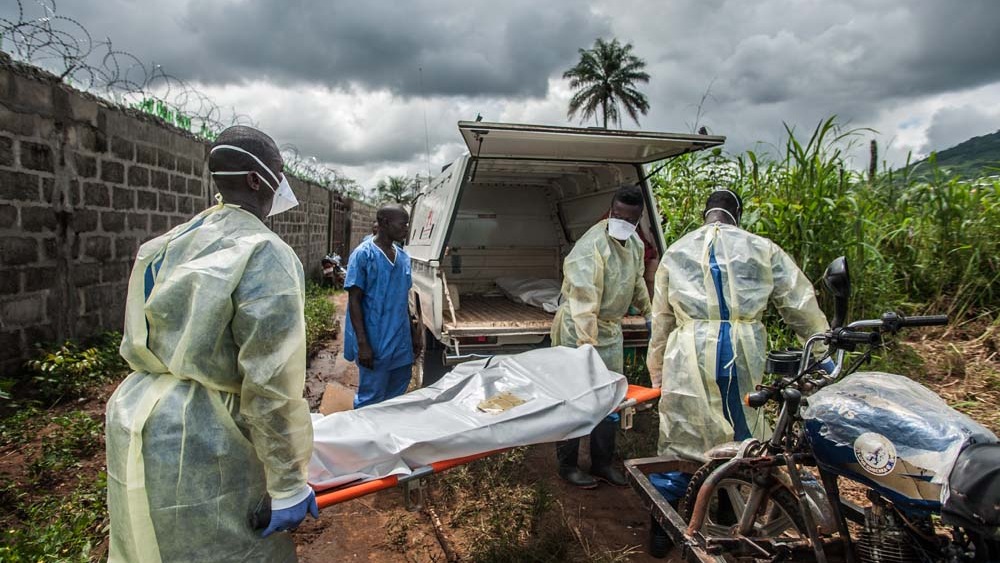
(20, 427)
(55, 528)
(70, 370)
(321, 322)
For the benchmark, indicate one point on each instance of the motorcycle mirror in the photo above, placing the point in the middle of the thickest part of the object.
(838, 280)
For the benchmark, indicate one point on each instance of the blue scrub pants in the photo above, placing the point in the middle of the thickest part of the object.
(377, 385)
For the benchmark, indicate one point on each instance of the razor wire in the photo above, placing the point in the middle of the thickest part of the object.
(63, 46)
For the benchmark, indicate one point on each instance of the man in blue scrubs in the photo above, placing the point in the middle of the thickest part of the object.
(379, 334)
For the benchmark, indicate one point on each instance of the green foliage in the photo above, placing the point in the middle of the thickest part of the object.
(54, 528)
(397, 189)
(21, 425)
(76, 436)
(70, 370)
(320, 313)
(635, 367)
(916, 246)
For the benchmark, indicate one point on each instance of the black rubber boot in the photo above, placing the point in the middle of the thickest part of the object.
(602, 452)
(567, 453)
(610, 475)
(577, 478)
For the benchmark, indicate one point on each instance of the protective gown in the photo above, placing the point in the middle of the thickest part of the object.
(212, 417)
(601, 278)
(708, 342)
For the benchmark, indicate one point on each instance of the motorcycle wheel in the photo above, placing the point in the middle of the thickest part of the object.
(779, 516)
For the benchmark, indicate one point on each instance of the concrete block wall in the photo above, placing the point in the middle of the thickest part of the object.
(306, 227)
(82, 185)
(362, 215)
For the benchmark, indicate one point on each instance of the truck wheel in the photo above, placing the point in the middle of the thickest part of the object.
(432, 366)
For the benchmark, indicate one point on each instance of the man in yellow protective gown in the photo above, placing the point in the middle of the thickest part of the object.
(708, 344)
(602, 278)
(212, 422)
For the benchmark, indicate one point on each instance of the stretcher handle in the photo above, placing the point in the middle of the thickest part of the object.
(351, 492)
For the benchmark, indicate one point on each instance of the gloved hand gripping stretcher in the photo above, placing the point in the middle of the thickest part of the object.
(479, 409)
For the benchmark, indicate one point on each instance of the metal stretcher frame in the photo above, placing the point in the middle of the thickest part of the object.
(634, 397)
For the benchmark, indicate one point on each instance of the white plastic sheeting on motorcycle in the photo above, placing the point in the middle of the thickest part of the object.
(566, 392)
(886, 419)
(542, 293)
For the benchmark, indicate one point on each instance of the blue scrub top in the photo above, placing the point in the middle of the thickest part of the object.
(386, 308)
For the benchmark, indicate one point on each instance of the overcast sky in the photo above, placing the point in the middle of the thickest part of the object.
(342, 81)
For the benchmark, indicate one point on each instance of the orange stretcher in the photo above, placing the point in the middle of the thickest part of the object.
(635, 397)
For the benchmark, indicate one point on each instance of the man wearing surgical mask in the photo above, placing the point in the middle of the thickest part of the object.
(602, 278)
(211, 422)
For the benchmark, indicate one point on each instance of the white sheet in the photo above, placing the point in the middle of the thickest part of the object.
(537, 292)
(566, 391)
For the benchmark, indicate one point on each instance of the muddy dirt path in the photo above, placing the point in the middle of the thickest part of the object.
(328, 366)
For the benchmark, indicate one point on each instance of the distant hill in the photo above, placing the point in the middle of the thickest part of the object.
(970, 159)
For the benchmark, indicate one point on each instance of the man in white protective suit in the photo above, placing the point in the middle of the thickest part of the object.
(602, 278)
(708, 344)
(212, 420)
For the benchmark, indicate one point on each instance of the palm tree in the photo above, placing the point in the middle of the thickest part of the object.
(605, 78)
(398, 189)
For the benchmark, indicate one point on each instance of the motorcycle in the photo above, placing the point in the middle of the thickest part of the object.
(334, 272)
(930, 475)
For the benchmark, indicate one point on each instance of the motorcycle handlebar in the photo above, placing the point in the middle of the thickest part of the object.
(854, 337)
(926, 320)
(759, 398)
(864, 332)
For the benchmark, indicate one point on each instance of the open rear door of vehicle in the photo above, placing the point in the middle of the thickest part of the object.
(575, 144)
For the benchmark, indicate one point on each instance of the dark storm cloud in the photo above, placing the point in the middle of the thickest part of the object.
(772, 62)
(464, 48)
(768, 62)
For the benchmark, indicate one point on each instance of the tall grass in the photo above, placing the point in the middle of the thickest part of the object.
(920, 246)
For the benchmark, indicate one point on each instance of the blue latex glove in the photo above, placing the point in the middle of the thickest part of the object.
(828, 365)
(289, 518)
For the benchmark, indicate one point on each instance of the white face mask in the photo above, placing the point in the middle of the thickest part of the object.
(621, 229)
(284, 197)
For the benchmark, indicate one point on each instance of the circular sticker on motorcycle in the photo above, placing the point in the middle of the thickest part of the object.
(875, 453)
